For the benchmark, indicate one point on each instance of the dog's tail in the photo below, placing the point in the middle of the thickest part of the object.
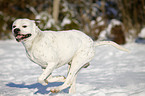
(111, 43)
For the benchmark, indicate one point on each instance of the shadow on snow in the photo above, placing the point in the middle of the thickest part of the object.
(41, 89)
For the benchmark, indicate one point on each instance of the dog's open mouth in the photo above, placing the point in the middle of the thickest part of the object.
(20, 37)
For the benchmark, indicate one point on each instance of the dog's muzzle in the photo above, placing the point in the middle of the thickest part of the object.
(17, 31)
(19, 37)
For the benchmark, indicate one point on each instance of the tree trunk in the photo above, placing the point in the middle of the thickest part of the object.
(56, 10)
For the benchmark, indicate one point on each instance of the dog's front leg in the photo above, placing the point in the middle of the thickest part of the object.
(55, 79)
(46, 73)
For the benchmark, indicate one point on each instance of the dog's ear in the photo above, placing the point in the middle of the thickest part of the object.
(36, 21)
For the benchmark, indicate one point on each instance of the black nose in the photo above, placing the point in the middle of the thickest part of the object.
(16, 31)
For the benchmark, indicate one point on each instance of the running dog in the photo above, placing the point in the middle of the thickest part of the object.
(51, 49)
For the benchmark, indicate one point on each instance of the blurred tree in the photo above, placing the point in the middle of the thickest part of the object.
(89, 16)
(132, 15)
(56, 10)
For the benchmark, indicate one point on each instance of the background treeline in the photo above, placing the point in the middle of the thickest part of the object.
(90, 16)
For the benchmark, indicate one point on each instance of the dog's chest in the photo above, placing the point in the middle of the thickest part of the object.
(41, 54)
(35, 57)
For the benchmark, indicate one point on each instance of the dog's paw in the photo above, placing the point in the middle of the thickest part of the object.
(55, 90)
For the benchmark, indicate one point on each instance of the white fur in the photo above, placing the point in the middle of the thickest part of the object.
(52, 49)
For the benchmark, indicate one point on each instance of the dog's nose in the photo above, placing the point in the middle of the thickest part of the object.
(16, 31)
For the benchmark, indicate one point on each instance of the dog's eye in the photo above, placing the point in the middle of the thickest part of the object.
(14, 26)
(24, 26)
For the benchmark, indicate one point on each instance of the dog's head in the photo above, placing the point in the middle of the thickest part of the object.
(24, 29)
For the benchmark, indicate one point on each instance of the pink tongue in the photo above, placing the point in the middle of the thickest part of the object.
(19, 36)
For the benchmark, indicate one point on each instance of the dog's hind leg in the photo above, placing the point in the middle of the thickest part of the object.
(73, 86)
(70, 80)
(78, 62)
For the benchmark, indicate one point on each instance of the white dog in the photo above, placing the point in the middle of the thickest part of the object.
(52, 49)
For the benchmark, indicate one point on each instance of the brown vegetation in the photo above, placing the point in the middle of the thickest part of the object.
(80, 12)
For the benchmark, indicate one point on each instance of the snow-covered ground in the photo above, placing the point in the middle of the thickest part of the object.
(111, 73)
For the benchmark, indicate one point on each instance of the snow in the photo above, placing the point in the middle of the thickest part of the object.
(107, 32)
(49, 23)
(142, 33)
(112, 73)
(100, 21)
(92, 23)
(113, 23)
(99, 18)
(102, 35)
(65, 21)
(44, 16)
